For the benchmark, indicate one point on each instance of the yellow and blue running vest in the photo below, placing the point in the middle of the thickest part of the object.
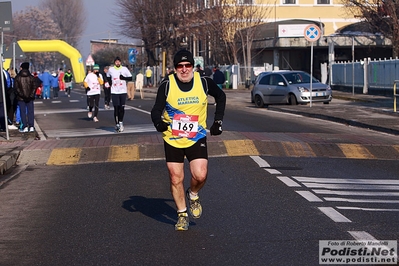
(186, 113)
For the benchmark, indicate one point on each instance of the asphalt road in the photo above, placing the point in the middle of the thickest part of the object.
(258, 210)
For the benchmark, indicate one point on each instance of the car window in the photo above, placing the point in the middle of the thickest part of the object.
(265, 80)
(298, 78)
(275, 79)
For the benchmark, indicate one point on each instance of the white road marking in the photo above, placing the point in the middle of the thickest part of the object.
(347, 180)
(273, 171)
(334, 215)
(56, 101)
(358, 187)
(288, 181)
(361, 235)
(260, 161)
(309, 196)
(361, 200)
(62, 111)
(138, 109)
(366, 209)
(65, 133)
(355, 193)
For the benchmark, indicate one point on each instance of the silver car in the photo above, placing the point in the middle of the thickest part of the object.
(289, 87)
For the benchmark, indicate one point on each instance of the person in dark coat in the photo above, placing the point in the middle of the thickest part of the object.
(25, 87)
(218, 77)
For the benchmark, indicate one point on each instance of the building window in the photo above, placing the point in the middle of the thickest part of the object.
(245, 2)
(289, 2)
(323, 2)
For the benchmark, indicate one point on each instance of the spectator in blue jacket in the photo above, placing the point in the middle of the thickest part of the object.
(55, 85)
(46, 79)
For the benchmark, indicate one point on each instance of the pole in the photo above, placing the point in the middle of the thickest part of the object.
(311, 72)
(353, 66)
(3, 85)
(13, 55)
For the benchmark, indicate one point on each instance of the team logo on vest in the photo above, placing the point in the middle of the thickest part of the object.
(188, 100)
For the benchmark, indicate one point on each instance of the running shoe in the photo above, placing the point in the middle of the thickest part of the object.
(117, 127)
(24, 130)
(95, 119)
(195, 207)
(182, 221)
(121, 128)
(31, 129)
(89, 114)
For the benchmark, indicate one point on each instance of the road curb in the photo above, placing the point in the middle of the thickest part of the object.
(348, 122)
(8, 161)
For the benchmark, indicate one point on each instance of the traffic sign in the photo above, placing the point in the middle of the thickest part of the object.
(14, 49)
(312, 33)
(6, 16)
(89, 61)
(132, 55)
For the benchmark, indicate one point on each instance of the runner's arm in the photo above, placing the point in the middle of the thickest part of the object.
(159, 106)
(220, 98)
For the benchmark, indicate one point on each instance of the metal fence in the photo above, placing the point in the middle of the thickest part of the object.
(368, 74)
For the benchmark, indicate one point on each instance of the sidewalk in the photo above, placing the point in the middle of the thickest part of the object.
(367, 111)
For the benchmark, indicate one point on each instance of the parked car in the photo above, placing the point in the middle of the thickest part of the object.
(289, 87)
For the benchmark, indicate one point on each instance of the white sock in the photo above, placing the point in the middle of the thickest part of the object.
(184, 210)
(193, 195)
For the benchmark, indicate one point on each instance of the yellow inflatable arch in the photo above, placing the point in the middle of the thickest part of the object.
(55, 46)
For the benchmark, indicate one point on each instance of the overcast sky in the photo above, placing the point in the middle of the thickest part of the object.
(99, 21)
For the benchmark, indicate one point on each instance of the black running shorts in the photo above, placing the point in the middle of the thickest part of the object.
(196, 151)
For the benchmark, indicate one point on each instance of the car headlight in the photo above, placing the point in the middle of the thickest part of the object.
(302, 89)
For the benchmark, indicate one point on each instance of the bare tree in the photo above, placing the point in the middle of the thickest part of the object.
(252, 17)
(153, 21)
(70, 18)
(35, 24)
(162, 24)
(381, 15)
(215, 25)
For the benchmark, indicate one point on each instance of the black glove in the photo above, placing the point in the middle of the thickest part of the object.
(162, 126)
(97, 74)
(87, 89)
(216, 128)
(121, 77)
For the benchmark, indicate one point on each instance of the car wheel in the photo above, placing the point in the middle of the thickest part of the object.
(259, 101)
(292, 100)
(326, 102)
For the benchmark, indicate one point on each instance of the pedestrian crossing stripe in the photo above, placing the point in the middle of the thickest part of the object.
(123, 153)
(355, 151)
(240, 147)
(299, 149)
(150, 147)
(64, 156)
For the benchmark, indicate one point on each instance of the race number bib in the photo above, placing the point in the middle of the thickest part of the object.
(185, 125)
(117, 83)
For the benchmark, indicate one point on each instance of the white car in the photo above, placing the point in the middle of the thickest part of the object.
(289, 87)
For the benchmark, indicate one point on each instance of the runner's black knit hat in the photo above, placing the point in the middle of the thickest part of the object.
(183, 56)
(117, 58)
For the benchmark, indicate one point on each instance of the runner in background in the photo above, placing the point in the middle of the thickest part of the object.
(119, 75)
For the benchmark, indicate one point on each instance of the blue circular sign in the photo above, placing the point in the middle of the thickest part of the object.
(312, 33)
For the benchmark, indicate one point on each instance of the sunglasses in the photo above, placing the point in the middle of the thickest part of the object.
(180, 66)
